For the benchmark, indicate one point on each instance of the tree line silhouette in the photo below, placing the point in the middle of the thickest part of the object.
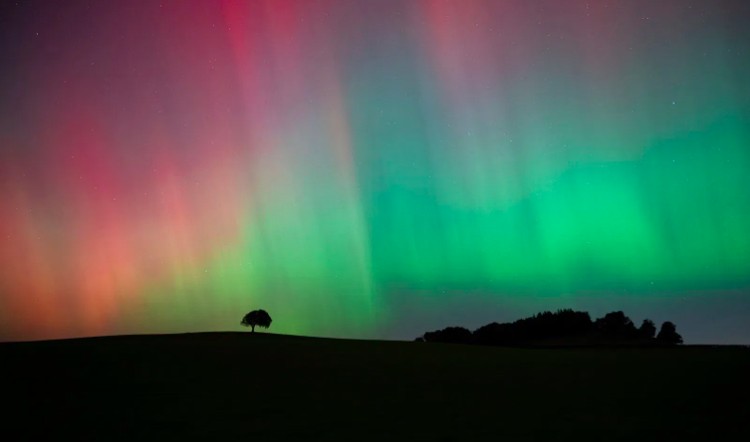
(560, 328)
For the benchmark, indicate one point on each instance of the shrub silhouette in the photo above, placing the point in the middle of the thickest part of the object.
(668, 334)
(647, 329)
(259, 318)
(495, 334)
(449, 335)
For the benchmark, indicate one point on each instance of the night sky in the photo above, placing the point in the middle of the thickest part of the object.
(372, 168)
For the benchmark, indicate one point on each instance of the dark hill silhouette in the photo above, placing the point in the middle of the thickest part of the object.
(563, 327)
(244, 386)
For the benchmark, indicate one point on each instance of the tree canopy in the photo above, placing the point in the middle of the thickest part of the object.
(616, 325)
(668, 334)
(259, 318)
(647, 329)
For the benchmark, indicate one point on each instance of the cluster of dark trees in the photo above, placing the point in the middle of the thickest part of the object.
(563, 327)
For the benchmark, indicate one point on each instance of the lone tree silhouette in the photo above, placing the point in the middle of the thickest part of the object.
(668, 334)
(261, 318)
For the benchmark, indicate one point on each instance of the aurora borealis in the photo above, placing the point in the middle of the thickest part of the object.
(372, 168)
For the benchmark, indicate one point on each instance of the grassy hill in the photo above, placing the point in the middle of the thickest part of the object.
(238, 386)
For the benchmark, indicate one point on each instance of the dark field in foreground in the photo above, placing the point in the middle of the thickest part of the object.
(237, 386)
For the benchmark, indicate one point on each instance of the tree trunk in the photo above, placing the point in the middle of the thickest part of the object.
(252, 328)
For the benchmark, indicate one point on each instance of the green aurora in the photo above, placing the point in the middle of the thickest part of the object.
(375, 169)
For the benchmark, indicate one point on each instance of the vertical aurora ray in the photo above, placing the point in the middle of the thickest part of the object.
(372, 168)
